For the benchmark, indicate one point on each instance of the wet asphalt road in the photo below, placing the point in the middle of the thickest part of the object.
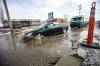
(15, 53)
(45, 52)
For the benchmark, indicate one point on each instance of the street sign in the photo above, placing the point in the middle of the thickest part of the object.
(50, 15)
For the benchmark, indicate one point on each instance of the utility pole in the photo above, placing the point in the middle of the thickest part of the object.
(8, 16)
(80, 8)
(1, 14)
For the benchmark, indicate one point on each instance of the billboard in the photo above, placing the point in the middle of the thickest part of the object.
(50, 15)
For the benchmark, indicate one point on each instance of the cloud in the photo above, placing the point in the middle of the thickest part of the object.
(77, 2)
(40, 8)
(55, 3)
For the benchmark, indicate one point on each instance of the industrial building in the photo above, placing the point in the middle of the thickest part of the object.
(18, 23)
(52, 19)
(59, 20)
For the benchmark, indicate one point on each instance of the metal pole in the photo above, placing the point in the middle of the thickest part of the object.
(8, 17)
(80, 7)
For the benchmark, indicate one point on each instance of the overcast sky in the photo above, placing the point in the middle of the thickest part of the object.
(38, 9)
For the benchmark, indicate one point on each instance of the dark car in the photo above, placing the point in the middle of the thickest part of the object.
(49, 29)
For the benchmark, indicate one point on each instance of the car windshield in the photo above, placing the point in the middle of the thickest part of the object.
(77, 18)
(51, 25)
(41, 26)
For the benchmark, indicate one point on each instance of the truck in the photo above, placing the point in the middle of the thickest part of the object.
(77, 21)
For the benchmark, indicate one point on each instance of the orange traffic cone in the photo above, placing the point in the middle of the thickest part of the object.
(91, 25)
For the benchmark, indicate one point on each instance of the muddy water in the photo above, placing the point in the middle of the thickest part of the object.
(14, 51)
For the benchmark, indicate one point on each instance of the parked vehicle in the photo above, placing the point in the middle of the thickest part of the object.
(77, 21)
(49, 29)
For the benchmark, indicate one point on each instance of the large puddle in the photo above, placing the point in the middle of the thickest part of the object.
(14, 51)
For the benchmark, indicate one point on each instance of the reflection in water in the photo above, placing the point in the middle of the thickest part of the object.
(12, 39)
(65, 33)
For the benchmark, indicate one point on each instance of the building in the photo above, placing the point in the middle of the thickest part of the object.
(35, 22)
(22, 23)
(52, 19)
(59, 20)
(30, 22)
(15, 23)
(25, 22)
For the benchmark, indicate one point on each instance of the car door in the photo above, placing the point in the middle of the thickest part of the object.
(48, 30)
(52, 30)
